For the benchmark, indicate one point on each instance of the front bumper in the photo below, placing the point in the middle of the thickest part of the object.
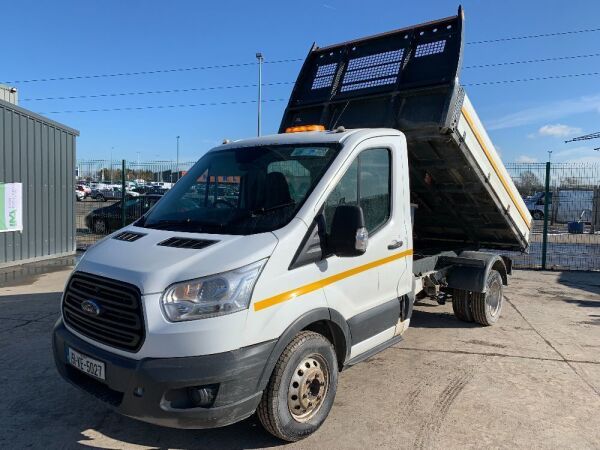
(155, 390)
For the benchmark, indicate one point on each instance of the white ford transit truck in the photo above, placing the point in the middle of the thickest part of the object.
(277, 262)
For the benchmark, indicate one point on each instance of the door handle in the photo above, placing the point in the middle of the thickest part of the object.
(395, 244)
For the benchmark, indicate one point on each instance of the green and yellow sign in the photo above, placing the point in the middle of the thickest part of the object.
(11, 207)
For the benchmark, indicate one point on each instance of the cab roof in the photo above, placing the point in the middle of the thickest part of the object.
(310, 137)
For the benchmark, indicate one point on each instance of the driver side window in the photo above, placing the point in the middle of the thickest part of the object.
(366, 183)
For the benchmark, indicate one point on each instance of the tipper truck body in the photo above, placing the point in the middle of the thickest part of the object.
(277, 262)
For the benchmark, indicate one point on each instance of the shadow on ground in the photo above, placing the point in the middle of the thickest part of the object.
(431, 315)
(587, 281)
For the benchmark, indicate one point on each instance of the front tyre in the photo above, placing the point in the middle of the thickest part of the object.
(301, 389)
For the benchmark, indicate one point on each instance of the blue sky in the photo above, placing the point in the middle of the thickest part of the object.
(70, 38)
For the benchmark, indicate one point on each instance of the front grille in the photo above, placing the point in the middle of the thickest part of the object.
(120, 321)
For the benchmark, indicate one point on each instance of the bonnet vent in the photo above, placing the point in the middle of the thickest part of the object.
(178, 242)
(129, 236)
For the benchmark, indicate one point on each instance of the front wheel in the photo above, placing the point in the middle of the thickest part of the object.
(537, 215)
(301, 389)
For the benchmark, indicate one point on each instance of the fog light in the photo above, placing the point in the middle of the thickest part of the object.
(203, 396)
(138, 391)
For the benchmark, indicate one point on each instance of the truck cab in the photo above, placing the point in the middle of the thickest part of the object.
(219, 278)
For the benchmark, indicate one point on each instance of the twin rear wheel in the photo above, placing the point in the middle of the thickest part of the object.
(302, 388)
(483, 308)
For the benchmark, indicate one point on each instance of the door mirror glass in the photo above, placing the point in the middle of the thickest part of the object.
(348, 235)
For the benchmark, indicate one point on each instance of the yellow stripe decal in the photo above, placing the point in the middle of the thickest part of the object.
(495, 166)
(289, 295)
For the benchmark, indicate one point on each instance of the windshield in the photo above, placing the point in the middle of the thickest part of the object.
(242, 190)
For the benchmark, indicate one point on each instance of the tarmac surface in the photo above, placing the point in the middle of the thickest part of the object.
(531, 381)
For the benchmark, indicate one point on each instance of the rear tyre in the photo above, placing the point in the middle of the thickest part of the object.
(301, 389)
(461, 305)
(486, 307)
(537, 215)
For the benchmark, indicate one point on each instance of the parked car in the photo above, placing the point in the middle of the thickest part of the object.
(79, 195)
(112, 193)
(569, 205)
(150, 190)
(162, 184)
(108, 218)
(86, 190)
(535, 205)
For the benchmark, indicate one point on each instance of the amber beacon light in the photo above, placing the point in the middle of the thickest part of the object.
(302, 128)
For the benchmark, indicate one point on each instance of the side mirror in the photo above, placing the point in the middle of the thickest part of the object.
(348, 236)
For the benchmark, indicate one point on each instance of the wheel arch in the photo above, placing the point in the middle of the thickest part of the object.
(474, 278)
(325, 321)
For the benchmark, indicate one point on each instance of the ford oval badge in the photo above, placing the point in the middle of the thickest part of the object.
(90, 307)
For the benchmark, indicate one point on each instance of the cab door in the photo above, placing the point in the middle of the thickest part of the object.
(365, 290)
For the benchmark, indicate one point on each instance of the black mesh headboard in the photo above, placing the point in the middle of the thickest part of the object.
(367, 82)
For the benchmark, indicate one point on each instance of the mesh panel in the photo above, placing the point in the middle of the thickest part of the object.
(430, 48)
(368, 84)
(371, 72)
(376, 59)
(322, 82)
(324, 76)
(374, 70)
(327, 69)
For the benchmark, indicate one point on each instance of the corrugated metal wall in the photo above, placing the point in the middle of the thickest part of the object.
(40, 154)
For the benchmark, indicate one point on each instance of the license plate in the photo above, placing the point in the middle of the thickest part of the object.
(86, 364)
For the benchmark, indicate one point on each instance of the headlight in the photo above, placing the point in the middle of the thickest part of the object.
(211, 296)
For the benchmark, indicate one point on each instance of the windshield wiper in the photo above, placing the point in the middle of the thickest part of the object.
(164, 223)
(256, 212)
(261, 211)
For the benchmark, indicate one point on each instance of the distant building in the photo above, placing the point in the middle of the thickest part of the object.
(9, 94)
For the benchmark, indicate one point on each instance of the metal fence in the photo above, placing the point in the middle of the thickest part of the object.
(565, 233)
(99, 209)
(564, 200)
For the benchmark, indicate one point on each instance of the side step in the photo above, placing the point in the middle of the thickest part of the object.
(379, 348)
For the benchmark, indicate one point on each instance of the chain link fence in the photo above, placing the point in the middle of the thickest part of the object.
(566, 229)
(99, 208)
(569, 210)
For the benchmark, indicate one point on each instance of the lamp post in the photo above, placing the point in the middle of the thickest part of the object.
(177, 160)
(260, 58)
(111, 162)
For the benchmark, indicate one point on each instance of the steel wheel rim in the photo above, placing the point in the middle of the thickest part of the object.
(100, 227)
(308, 388)
(494, 298)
